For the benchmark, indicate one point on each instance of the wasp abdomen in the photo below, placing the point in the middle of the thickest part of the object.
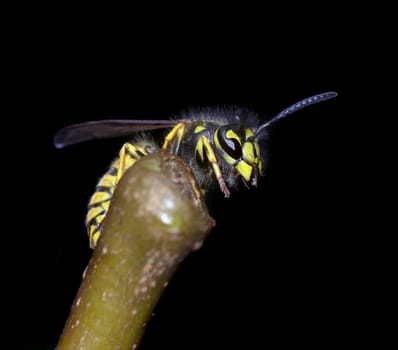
(99, 202)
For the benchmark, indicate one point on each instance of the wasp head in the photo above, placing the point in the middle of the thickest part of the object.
(240, 149)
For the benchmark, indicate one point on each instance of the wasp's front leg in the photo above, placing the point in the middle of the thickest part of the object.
(204, 150)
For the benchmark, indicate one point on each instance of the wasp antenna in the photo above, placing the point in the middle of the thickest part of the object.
(297, 106)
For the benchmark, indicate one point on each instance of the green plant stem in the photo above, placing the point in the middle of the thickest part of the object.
(157, 217)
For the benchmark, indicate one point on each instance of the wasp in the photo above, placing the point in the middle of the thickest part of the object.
(221, 145)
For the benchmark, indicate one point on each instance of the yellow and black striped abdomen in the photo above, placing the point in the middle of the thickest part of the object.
(99, 202)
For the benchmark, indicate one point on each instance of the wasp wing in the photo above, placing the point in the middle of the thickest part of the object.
(106, 128)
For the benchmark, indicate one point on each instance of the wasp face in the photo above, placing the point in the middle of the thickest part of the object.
(239, 147)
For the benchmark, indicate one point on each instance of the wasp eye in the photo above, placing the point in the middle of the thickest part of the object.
(230, 142)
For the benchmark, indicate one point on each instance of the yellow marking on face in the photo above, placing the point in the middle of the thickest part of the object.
(232, 135)
(251, 149)
(229, 159)
(248, 152)
(244, 169)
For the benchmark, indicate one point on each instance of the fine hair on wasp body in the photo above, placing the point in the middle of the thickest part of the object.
(222, 145)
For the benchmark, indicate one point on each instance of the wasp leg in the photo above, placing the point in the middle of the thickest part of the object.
(176, 134)
(128, 156)
(204, 144)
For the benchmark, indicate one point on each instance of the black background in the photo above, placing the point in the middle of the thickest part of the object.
(305, 259)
